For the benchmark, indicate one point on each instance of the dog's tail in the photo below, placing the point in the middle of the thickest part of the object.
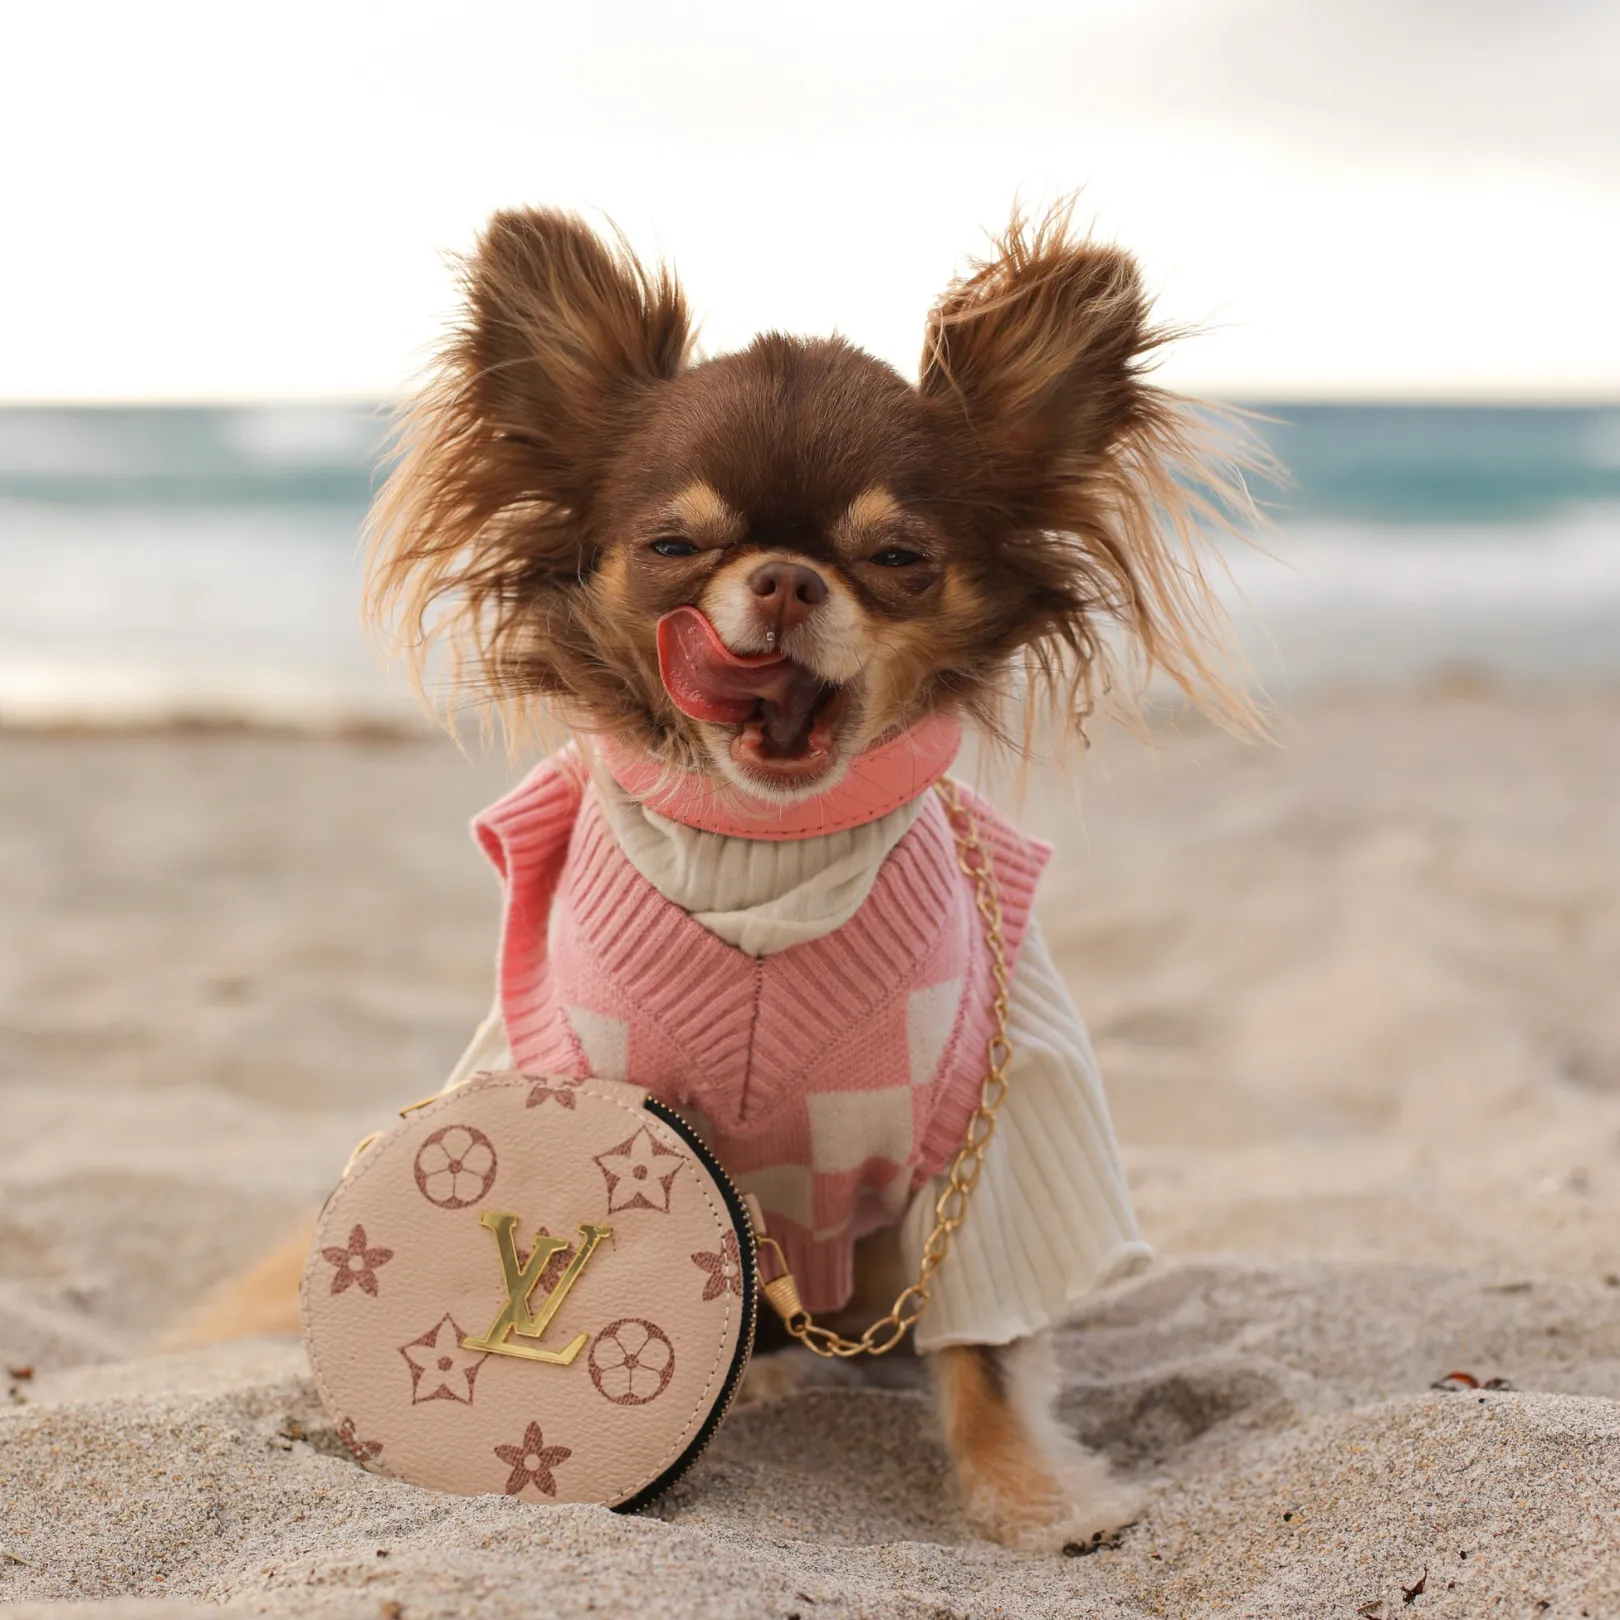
(261, 1303)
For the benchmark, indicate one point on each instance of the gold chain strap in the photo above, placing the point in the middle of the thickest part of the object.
(885, 1333)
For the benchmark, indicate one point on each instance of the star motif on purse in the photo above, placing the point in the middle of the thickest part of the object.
(439, 1363)
(635, 1178)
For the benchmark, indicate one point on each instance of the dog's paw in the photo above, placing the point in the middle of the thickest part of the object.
(1078, 1508)
(778, 1373)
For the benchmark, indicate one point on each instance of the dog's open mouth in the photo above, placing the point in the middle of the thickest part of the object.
(787, 714)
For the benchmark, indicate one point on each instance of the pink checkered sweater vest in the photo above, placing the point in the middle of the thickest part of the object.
(831, 1079)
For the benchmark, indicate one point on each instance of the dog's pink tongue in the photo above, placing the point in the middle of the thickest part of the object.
(706, 679)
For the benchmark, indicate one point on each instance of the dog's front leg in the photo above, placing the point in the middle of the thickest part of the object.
(1026, 1482)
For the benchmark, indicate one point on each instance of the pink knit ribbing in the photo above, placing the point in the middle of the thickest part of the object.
(799, 1066)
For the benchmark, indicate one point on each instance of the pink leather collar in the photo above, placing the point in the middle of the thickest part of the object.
(882, 779)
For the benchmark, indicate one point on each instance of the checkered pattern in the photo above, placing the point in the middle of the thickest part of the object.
(831, 1079)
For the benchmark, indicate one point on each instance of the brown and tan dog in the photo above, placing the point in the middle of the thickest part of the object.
(986, 539)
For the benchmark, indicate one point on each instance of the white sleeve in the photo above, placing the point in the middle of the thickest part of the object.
(1051, 1217)
(486, 1050)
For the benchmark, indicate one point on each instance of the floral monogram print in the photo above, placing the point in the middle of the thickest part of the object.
(440, 1369)
(356, 1265)
(724, 1268)
(532, 1462)
(548, 1089)
(639, 1173)
(455, 1167)
(365, 1451)
(632, 1361)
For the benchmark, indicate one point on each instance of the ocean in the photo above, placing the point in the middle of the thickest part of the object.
(200, 563)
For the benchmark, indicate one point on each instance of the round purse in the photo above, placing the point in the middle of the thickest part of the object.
(532, 1285)
(549, 1287)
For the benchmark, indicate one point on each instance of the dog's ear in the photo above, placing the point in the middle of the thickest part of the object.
(1090, 484)
(564, 338)
(1041, 350)
(484, 533)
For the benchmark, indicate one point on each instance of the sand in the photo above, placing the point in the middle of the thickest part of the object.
(1355, 999)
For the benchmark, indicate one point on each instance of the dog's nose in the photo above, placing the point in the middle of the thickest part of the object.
(786, 593)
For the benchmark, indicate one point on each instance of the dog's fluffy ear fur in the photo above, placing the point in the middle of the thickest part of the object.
(1043, 347)
(564, 337)
(1095, 482)
(487, 515)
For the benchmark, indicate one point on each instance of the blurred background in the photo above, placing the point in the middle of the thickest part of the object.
(226, 244)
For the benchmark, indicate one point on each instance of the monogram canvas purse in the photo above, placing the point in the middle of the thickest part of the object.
(549, 1287)
(533, 1285)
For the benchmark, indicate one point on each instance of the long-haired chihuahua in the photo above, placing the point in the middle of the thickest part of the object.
(752, 569)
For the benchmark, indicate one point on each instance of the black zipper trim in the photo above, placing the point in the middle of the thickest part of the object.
(748, 1258)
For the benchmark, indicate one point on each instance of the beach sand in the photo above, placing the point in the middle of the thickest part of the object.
(1356, 1000)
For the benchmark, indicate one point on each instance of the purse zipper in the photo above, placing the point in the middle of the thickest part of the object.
(718, 1415)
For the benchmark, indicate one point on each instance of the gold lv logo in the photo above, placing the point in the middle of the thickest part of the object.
(515, 1316)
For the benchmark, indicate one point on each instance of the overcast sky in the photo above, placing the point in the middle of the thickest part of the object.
(1365, 198)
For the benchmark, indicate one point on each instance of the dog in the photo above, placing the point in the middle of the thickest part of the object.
(758, 572)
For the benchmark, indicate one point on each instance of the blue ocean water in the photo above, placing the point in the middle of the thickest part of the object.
(160, 562)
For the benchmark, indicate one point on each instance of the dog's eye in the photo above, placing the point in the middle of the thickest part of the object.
(896, 557)
(674, 548)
